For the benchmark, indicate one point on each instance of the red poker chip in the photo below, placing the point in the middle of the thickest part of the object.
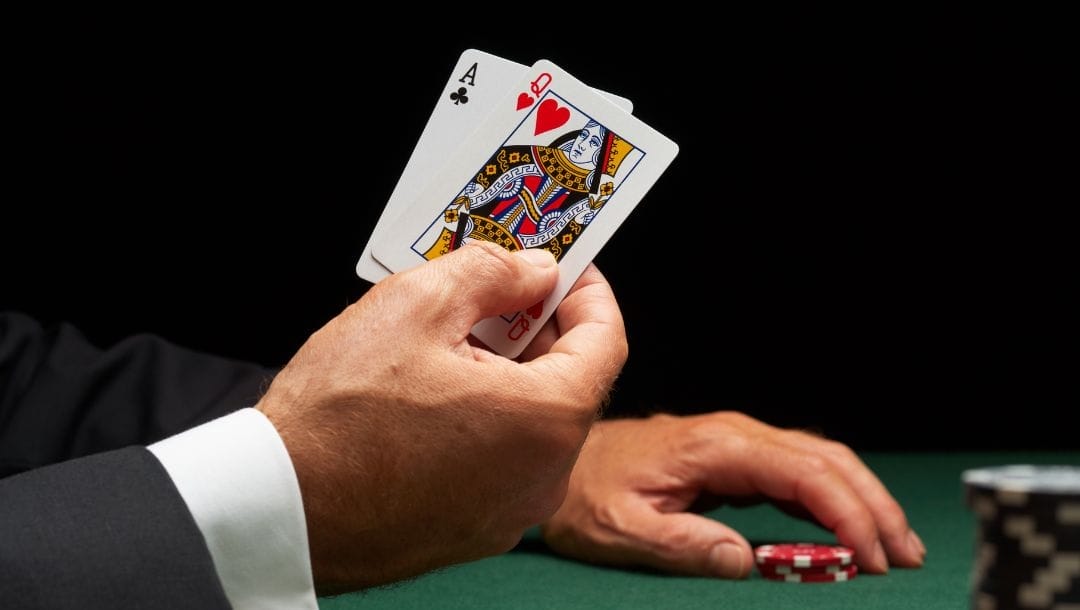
(840, 574)
(803, 555)
(783, 570)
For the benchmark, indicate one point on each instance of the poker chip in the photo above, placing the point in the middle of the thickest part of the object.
(802, 555)
(782, 570)
(805, 562)
(829, 574)
(1027, 540)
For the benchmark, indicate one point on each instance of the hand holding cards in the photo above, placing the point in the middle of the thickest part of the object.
(554, 165)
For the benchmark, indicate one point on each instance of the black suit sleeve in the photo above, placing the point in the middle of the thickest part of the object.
(61, 397)
(104, 531)
(103, 526)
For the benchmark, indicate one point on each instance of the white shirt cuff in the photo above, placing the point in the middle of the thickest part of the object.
(239, 484)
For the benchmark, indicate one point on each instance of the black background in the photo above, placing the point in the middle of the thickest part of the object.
(863, 232)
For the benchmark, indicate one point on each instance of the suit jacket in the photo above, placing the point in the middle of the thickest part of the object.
(88, 517)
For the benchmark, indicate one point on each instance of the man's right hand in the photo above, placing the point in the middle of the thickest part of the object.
(415, 449)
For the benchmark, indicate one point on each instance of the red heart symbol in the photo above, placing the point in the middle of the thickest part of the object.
(549, 116)
(524, 100)
(535, 310)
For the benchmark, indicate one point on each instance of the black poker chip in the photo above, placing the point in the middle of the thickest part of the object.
(1027, 549)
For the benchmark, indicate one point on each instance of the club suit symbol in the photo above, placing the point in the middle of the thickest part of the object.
(460, 96)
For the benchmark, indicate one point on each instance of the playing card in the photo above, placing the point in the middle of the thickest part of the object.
(476, 83)
(555, 165)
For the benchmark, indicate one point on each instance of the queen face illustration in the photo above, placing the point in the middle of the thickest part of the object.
(586, 148)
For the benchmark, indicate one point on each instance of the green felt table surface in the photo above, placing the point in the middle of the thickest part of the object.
(928, 486)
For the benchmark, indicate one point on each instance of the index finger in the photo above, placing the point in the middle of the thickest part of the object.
(789, 473)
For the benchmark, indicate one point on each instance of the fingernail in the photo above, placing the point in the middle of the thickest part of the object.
(728, 560)
(537, 257)
(880, 560)
(916, 543)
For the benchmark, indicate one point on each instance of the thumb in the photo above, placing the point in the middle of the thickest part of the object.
(687, 543)
(481, 279)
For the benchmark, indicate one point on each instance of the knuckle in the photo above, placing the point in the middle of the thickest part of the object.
(714, 429)
(661, 418)
(730, 422)
(735, 418)
(716, 434)
(813, 464)
(840, 451)
(489, 259)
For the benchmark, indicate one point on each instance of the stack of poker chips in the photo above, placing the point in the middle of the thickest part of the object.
(805, 562)
(1027, 548)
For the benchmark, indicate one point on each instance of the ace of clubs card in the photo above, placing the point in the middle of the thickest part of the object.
(477, 82)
